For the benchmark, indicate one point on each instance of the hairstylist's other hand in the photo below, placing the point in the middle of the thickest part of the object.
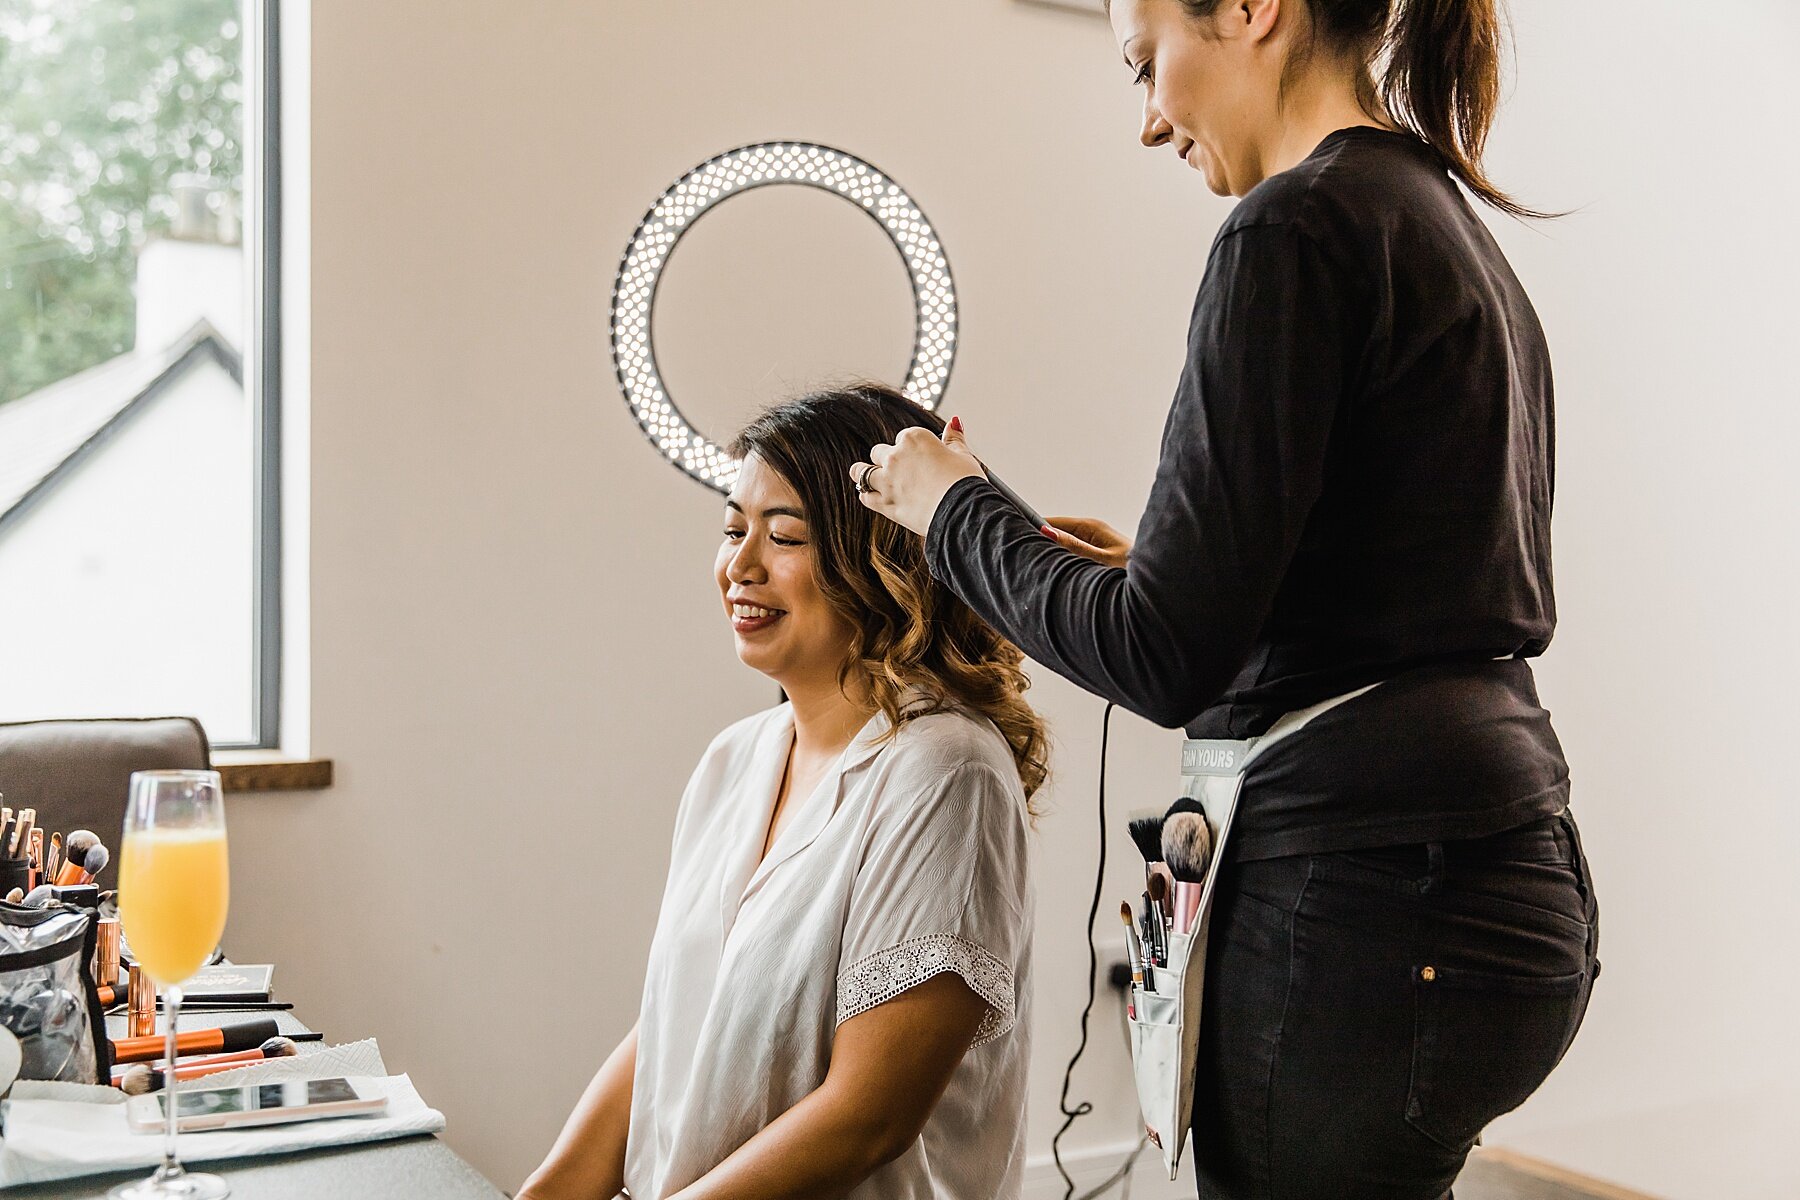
(910, 477)
(1090, 538)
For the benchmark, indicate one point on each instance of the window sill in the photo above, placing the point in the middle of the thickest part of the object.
(270, 771)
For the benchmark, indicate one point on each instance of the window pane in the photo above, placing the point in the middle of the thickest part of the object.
(126, 434)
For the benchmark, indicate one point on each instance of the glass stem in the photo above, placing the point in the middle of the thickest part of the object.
(171, 1166)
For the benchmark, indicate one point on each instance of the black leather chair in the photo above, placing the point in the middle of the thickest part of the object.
(77, 773)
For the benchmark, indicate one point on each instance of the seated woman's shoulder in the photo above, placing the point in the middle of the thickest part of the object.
(950, 741)
(744, 734)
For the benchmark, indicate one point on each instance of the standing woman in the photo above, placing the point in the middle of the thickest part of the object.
(1354, 489)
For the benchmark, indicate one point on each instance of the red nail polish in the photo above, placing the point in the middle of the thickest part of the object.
(1047, 532)
(956, 424)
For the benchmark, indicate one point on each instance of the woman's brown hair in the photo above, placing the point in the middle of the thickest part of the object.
(1438, 63)
(911, 631)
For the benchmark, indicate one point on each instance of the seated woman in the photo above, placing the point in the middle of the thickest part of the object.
(836, 1000)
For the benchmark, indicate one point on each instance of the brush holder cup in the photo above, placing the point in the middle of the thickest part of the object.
(15, 873)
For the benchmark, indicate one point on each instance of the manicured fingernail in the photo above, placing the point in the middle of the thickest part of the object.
(956, 424)
(1047, 532)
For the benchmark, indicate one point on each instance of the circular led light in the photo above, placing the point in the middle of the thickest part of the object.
(733, 173)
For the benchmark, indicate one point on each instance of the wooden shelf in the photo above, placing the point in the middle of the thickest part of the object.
(262, 771)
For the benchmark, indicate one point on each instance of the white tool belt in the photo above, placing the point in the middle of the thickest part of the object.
(1165, 1032)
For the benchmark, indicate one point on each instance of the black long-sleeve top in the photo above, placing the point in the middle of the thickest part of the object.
(1355, 486)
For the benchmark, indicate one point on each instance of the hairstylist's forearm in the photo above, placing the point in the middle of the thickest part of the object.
(588, 1160)
(1244, 461)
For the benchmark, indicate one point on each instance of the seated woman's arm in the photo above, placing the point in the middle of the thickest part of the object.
(889, 1067)
(588, 1160)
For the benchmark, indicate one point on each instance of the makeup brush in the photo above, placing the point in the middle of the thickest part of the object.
(1131, 944)
(1187, 848)
(20, 845)
(1153, 928)
(196, 1041)
(15, 896)
(53, 855)
(39, 896)
(75, 853)
(97, 859)
(1159, 908)
(1146, 834)
(141, 1077)
(35, 852)
(275, 1047)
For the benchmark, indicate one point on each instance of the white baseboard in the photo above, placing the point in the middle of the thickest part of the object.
(1091, 1167)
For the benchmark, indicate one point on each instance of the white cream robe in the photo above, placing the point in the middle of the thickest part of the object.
(908, 860)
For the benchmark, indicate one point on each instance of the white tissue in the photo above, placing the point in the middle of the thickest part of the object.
(61, 1130)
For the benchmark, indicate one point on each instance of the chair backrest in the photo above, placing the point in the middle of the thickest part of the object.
(77, 773)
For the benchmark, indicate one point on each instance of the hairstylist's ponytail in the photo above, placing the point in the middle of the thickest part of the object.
(1442, 80)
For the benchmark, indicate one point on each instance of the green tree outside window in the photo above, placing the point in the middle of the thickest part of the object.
(102, 103)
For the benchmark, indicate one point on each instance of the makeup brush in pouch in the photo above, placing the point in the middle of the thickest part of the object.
(1146, 834)
(1132, 955)
(1159, 909)
(1187, 849)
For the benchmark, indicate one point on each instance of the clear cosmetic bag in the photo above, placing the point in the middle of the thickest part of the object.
(48, 1002)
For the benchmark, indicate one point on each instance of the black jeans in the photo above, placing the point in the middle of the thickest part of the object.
(1367, 1013)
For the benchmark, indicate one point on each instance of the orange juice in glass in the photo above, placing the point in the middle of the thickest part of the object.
(174, 890)
(174, 886)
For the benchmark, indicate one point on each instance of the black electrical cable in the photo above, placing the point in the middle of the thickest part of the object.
(1071, 1115)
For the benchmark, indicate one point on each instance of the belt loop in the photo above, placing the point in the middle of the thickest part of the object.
(1580, 867)
(1434, 868)
(1577, 860)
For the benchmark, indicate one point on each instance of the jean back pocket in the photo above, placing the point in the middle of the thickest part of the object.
(1482, 1043)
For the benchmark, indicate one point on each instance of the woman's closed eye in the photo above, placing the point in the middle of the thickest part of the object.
(1144, 73)
(737, 535)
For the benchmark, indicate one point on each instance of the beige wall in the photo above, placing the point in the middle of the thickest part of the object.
(1669, 300)
(515, 652)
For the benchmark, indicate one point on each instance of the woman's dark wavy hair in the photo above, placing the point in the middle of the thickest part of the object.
(911, 631)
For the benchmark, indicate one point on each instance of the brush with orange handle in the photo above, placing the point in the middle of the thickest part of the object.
(230, 1039)
(140, 1078)
(80, 845)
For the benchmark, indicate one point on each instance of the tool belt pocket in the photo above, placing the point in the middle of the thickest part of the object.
(1165, 1040)
(1165, 1013)
(1163, 1043)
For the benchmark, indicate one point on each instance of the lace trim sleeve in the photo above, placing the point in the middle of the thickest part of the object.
(885, 974)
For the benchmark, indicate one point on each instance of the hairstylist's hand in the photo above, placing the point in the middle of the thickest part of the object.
(905, 482)
(1090, 538)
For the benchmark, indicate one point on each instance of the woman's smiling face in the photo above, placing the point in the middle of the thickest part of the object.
(783, 623)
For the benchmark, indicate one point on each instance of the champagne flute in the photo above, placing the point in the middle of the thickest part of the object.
(174, 887)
